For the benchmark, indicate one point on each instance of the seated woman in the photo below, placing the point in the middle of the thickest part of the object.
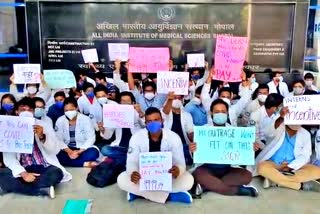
(78, 135)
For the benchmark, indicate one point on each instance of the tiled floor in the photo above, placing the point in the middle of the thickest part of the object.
(111, 200)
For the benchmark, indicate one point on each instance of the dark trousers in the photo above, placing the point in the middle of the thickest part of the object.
(49, 176)
(116, 153)
(225, 181)
(91, 154)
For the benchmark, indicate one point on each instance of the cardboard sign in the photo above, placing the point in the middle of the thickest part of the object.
(229, 58)
(154, 170)
(90, 55)
(148, 60)
(118, 116)
(224, 145)
(59, 78)
(27, 73)
(118, 51)
(173, 81)
(195, 60)
(303, 110)
(16, 134)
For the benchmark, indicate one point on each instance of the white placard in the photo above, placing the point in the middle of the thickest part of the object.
(195, 60)
(90, 55)
(178, 82)
(27, 73)
(118, 51)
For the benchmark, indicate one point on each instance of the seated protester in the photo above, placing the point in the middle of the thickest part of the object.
(250, 78)
(260, 96)
(285, 160)
(276, 85)
(196, 74)
(179, 121)
(113, 93)
(82, 79)
(52, 101)
(88, 99)
(196, 109)
(75, 93)
(156, 139)
(101, 79)
(56, 110)
(37, 173)
(75, 130)
(149, 98)
(298, 87)
(262, 118)
(118, 149)
(309, 80)
(222, 178)
(39, 111)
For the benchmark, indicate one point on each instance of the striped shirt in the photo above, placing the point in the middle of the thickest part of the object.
(72, 133)
(36, 158)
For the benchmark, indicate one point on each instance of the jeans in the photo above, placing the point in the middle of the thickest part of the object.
(116, 153)
(187, 155)
(91, 154)
(49, 176)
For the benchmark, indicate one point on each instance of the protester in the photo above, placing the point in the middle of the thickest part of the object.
(40, 111)
(276, 85)
(87, 100)
(309, 82)
(56, 110)
(298, 87)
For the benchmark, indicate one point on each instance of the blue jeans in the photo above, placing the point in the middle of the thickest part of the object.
(116, 153)
(91, 154)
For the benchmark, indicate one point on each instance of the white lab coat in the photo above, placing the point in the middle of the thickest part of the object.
(84, 133)
(117, 81)
(253, 87)
(139, 143)
(47, 120)
(96, 113)
(283, 88)
(44, 92)
(186, 123)
(49, 149)
(302, 149)
(84, 104)
(253, 106)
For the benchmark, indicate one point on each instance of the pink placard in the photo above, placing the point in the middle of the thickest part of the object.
(148, 60)
(229, 57)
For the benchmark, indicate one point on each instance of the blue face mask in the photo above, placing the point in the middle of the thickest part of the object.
(195, 76)
(90, 95)
(154, 127)
(219, 118)
(59, 105)
(7, 107)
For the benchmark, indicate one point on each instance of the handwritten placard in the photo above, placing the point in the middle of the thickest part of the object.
(118, 51)
(173, 81)
(27, 73)
(118, 116)
(16, 134)
(59, 78)
(195, 60)
(224, 145)
(90, 55)
(154, 170)
(229, 57)
(148, 60)
(303, 110)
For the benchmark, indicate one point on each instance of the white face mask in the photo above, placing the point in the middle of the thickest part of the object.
(25, 114)
(176, 103)
(297, 91)
(71, 114)
(279, 78)
(262, 98)
(102, 100)
(149, 95)
(226, 100)
(294, 127)
(32, 90)
(309, 83)
(196, 101)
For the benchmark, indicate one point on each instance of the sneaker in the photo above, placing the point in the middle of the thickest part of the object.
(48, 191)
(311, 186)
(248, 190)
(196, 191)
(182, 197)
(268, 183)
(131, 197)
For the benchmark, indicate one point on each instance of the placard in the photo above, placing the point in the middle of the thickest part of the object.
(118, 116)
(178, 82)
(118, 51)
(27, 73)
(59, 78)
(195, 60)
(90, 55)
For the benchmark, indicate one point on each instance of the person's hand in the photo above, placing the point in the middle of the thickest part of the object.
(283, 165)
(171, 96)
(174, 171)
(171, 65)
(101, 128)
(186, 67)
(192, 147)
(38, 130)
(135, 177)
(91, 65)
(117, 65)
(12, 79)
(256, 146)
(206, 65)
(284, 111)
(137, 107)
(29, 177)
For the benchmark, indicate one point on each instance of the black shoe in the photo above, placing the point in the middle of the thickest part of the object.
(196, 191)
(248, 190)
(48, 191)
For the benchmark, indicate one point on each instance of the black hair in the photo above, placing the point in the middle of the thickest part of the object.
(248, 72)
(70, 100)
(274, 74)
(310, 92)
(129, 94)
(10, 96)
(273, 100)
(299, 81)
(268, 71)
(59, 94)
(309, 76)
(147, 84)
(87, 85)
(152, 110)
(39, 99)
(198, 90)
(218, 101)
(100, 76)
(225, 89)
(100, 88)
(26, 101)
(261, 86)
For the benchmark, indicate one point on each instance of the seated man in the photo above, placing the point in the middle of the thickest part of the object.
(222, 178)
(40, 112)
(37, 173)
(285, 161)
(56, 110)
(309, 79)
(75, 130)
(155, 139)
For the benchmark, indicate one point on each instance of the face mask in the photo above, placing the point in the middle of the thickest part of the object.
(226, 100)
(26, 114)
(176, 103)
(253, 80)
(219, 118)
(102, 100)
(196, 101)
(262, 98)
(309, 83)
(294, 127)
(90, 95)
(59, 104)
(195, 76)
(154, 127)
(149, 95)
(297, 90)
(71, 114)
(32, 90)
(7, 106)
(38, 112)
(279, 79)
